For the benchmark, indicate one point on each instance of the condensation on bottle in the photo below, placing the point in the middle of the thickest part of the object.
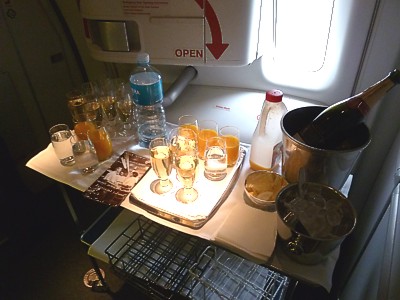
(268, 133)
(146, 83)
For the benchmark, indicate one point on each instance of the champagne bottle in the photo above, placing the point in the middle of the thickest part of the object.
(331, 127)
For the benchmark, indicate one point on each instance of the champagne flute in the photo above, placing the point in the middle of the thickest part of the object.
(93, 113)
(108, 104)
(92, 107)
(126, 111)
(76, 101)
(108, 97)
(186, 164)
(161, 162)
(177, 136)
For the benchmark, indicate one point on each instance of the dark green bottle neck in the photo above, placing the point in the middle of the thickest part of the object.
(395, 76)
(376, 92)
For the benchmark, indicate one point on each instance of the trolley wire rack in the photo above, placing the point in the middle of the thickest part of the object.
(168, 264)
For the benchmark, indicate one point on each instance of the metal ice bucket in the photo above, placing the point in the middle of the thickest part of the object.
(330, 167)
(308, 244)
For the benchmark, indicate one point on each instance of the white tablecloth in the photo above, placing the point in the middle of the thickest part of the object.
(245, 230)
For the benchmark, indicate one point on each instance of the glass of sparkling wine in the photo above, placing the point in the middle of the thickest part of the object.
(108, 104)
(93, 113)
(126, 111)
(186, 165)
(108, 94)
(161, 162)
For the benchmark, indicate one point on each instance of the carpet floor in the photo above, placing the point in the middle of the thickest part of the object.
(41, 255)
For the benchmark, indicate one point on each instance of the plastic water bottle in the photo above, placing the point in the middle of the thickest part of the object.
(146, 83)
(268, 132)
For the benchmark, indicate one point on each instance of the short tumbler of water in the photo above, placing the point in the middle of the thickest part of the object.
(215, 159)
(60, 135)
(85, 155)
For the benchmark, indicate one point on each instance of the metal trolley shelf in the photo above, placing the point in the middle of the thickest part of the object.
(170, 264)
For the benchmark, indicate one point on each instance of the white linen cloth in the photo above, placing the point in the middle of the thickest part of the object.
(243, 229)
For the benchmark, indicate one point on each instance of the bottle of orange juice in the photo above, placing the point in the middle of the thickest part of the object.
(268, 132)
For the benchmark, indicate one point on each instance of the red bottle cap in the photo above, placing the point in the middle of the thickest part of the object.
(274, 96)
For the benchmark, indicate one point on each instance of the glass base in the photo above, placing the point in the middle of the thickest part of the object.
(127, 132)
(186, 196)
(157, 188)
(68, 161)
(89, 170)
(214, 176)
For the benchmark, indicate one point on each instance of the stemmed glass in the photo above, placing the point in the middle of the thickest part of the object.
(126, 110)
(85, 109)
(186, 163)
(176, 135)
(92, 106)
(108, 95)
(161, 162)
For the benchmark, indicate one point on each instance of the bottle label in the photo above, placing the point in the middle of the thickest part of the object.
(148, 94)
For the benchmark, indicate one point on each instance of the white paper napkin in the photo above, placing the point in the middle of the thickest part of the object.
(251, 231)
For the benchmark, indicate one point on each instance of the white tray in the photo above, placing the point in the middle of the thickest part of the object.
(211, 195)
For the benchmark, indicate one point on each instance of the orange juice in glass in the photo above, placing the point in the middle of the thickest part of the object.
(81, 129)
(207, 129)
(231, 136)
(189, 121)
(101, 142)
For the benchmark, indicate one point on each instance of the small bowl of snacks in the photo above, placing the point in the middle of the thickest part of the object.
(262, 187)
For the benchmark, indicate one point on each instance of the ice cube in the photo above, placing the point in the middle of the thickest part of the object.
(334, 216)
(298, 204)
(317, 199)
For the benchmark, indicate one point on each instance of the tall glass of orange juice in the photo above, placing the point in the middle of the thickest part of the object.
(207, 129)
(81, 129)
(101, 142)
(189, 121)
(231, 136)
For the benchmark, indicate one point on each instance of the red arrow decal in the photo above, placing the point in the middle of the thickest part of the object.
(217, 48)
(200, 3)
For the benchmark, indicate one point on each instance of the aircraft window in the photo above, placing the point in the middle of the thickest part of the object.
(298, 40)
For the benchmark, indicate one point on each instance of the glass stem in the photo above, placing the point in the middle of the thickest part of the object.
(188, 190)
(164, 182)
